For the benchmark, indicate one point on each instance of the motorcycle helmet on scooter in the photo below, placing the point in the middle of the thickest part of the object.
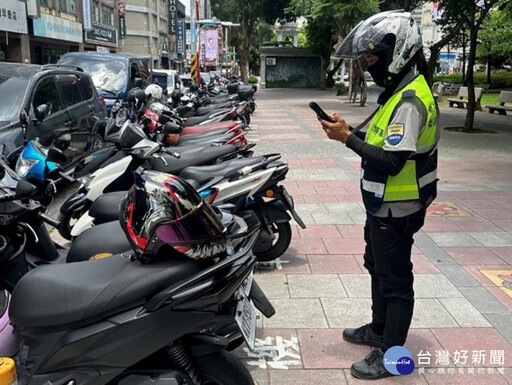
(163, 210)
(392, 36)
(153, 91)
(136, 98)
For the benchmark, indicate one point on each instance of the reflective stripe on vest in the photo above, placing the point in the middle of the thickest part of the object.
(418, 171)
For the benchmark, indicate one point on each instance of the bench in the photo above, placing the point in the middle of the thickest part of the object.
(460, 102)
(450, 88)
(505, 97)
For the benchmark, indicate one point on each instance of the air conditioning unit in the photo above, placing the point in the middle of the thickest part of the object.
(271, 61)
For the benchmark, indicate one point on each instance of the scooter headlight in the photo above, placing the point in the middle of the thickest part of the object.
(23, 166)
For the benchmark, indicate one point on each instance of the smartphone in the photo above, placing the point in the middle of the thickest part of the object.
(320, 113)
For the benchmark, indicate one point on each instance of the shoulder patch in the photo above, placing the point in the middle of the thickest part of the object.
(409, 94)
(395, 134)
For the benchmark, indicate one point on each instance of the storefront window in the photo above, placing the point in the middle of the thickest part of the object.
(63, 6)
(107, 15)
(44, 3)
(73, 7)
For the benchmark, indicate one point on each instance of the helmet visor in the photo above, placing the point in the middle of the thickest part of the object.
(199, 225)
(364, 38)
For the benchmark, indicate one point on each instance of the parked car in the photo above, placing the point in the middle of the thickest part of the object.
(59, 105)
(112, 74)
(167, 79)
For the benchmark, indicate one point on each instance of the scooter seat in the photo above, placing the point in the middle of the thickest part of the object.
(204, 174)
(190, 130)
(106, 207)
(105, 238)
(61, 294)
(196, 156)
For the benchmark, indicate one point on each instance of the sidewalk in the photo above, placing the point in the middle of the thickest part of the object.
(462, 257)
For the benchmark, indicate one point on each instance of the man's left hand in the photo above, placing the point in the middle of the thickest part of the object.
(336, 131)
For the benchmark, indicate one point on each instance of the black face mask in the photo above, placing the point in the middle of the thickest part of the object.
(379, 70)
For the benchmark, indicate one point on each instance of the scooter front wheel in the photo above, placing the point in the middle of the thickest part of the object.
(222, 368)
(279, 245)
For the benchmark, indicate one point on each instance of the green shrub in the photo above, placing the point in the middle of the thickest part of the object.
(498, 80)
(253, 80)
(341, 88)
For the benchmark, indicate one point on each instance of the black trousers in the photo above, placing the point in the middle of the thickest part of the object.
(388, 259)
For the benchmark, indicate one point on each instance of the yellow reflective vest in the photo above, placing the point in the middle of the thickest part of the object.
(418, 178)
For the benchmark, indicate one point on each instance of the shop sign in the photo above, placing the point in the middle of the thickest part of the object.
(58, 28)
(101, 33)
(173, 17)
(181, 36)
(121, 8)
(13, 16)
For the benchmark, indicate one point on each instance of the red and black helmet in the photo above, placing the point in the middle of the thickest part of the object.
(162, 209)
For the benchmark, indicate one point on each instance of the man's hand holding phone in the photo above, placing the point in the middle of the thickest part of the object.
(334, 125)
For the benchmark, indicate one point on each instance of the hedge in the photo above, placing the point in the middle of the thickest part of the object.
(497, 80)
(253, 80)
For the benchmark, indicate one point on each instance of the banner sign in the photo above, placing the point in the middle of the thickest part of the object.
(57, 28)
(13, 17)
(87, 14)
(211, 44)
(173, 17)
(102, 34)
(121, 10)
(181, 36)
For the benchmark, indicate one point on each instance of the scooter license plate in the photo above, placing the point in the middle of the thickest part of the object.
(245, 317)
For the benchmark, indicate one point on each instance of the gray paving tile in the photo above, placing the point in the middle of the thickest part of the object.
(493, 239)
(464, 312)
(357, 285)
(296, 314)
(430, 313)
(437, 255)
(347, 312)
(454, 239)
(451, 187)
(502, 322)
(310, 208)
(349, 208)
(359, 219)
(484, 301)
(434, 286)
(422, 239)
(328, 174)
(273, 285)
(457, 275)
(315, 286)
(332, 219)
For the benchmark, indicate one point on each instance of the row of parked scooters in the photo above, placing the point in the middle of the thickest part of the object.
(165, 234)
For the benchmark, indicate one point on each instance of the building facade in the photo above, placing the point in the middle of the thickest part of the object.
(41, 31)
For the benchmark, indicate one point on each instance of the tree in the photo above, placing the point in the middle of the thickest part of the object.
(327, 20)
(247, 14)
(473, 13)
(495, 38)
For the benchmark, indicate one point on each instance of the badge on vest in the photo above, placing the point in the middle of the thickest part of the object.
(395, 134)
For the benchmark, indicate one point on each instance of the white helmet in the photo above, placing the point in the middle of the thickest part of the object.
(393, 31)
(154, 90)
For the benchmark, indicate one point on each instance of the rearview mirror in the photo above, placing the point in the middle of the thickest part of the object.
(56, 156)
(42, 111)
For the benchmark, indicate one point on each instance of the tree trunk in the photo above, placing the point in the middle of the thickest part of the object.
(470, 116)
(323, 74)
(489, 71)
(362, 83)
(330, 74)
